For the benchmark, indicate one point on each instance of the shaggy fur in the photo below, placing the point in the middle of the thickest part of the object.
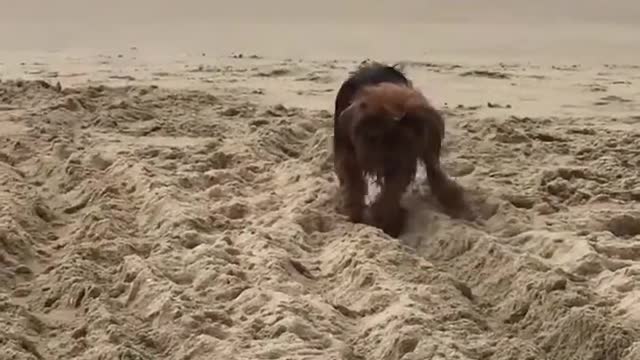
(382, 127)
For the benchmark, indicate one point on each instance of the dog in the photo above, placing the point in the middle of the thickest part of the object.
(382, 127)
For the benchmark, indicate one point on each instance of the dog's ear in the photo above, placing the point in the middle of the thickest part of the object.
(426, 126)
(433, 120)
(347, 119)
(417, 121)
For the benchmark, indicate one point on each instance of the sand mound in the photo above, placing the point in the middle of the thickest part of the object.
(146, 222)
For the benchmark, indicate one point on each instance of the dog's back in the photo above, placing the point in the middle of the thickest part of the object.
(370, 74)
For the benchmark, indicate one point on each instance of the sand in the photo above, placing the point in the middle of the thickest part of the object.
(177, 201)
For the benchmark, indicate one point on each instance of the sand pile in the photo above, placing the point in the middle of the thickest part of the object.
(160, 222)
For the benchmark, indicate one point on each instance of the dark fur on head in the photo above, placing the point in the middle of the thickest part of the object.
(382, 127)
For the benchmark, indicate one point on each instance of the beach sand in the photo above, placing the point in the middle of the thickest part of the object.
(167, 192)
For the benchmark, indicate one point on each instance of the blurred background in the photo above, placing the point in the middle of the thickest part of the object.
(570, 30)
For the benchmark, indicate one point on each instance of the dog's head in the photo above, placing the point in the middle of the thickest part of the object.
(386, 125)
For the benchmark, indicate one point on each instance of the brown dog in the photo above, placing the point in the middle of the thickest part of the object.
(382, 127)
